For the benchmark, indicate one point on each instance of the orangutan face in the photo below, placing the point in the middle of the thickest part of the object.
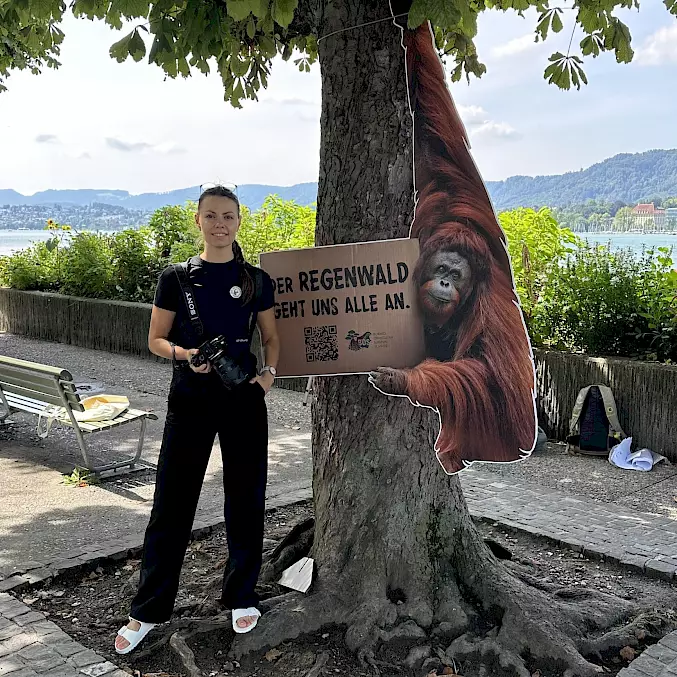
(446, 283)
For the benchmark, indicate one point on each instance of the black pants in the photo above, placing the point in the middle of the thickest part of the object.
(194, 418)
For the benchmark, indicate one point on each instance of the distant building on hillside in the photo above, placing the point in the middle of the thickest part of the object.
(671, 218)
(649, 217)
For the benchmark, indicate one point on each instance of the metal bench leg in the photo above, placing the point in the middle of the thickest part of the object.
(83, 448)
(139, 448)
(131, 462)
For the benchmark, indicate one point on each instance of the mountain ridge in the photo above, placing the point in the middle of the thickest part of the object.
(629, 177)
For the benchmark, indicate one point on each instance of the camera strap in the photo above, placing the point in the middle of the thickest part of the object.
(189, 298)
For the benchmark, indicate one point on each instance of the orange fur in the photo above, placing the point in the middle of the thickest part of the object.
(484, 389)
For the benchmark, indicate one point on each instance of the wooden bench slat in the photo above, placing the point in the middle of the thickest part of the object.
(25, 404)
(19, 377)
(36, 366)
(73, 398)
(97, 426)
(40, 389)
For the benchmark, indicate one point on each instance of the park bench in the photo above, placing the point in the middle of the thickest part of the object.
(38, 388)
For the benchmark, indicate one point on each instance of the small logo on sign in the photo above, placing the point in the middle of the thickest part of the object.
(235, 292)
(357, 341)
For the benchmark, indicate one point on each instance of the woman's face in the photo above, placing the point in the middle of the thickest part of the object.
(218, 220)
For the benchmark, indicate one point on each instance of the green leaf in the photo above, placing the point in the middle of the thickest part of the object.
(672, 6)
(238, 67)
(589, 45)
(267, 46)
(417, 14)
(131, 8)
(259, 8)
(239, 9)
(43, 9)
(283, 11)
(120, 49)
(544, 24)
(556, 21)
(251, 28)
(137, 47)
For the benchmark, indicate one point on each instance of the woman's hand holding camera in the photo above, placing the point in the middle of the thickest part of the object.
(203, 368)
(265, 380)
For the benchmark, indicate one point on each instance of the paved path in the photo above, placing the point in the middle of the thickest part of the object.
(32, 646)
(659, 660)
(46, 525)
(629, 537)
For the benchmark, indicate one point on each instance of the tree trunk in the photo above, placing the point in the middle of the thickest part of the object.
(398, 558)
(388, 519)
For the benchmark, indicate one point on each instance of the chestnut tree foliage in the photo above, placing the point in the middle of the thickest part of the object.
(240, 38)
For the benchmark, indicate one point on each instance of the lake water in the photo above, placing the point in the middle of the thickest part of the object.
(13, 240)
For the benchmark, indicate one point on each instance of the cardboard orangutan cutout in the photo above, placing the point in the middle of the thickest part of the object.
(478, 374)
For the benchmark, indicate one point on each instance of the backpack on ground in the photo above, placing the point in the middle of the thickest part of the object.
(594, 426)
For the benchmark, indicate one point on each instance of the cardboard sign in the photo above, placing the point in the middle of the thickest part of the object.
(346, 309)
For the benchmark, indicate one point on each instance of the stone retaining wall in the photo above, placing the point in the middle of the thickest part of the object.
(645, 392)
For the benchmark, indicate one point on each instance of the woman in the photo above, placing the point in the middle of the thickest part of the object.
(227, 297)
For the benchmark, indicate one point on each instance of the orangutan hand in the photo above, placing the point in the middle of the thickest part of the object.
(389, 381)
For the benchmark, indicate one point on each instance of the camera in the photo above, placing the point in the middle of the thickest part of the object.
(215, 353)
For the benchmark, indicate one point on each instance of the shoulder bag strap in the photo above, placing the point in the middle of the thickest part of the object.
(189, 298)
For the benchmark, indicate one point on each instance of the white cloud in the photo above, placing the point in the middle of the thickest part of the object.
(479, 124)
(127, 147)
(47, 138)
(659, 48)
(472, 115)
(496, 130)
(140, 146)
(516, 46)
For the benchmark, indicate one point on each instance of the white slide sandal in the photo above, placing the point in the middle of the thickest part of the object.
(134, 637)
(241, 613)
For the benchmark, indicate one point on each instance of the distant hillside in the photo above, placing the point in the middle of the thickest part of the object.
(627, 178)
(251, 195)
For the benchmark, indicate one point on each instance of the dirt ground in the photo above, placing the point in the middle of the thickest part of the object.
(93, 605)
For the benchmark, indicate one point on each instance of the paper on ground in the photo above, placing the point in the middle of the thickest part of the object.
(622, 456)
(299, 575)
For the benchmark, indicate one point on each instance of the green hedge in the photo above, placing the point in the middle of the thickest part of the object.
(576, 297)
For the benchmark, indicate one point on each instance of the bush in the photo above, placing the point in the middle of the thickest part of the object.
(126, 265)
(32, 268)
(175, 234)
(87, 266)
(536, 245)
(135, 266)
(598, 303)
(279, 224)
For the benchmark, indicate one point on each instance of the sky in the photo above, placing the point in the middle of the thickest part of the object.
(95, 123)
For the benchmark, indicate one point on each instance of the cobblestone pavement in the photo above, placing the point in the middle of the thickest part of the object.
(634, 539)
(659, 660)
(32, 646)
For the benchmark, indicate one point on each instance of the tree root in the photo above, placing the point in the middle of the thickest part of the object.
(292, 616)
(490, 654)
(547, 628)
(647, 628)
(186, 654)
(316, 670)
(295, 545)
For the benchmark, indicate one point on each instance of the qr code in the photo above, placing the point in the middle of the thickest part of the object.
(321, 343)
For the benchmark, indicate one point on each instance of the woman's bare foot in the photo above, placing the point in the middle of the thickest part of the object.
(246, 621)
(120, 642)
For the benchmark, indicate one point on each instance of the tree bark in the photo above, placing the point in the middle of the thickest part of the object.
(389, 521)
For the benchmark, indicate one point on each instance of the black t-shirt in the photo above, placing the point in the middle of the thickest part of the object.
(220, 312)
